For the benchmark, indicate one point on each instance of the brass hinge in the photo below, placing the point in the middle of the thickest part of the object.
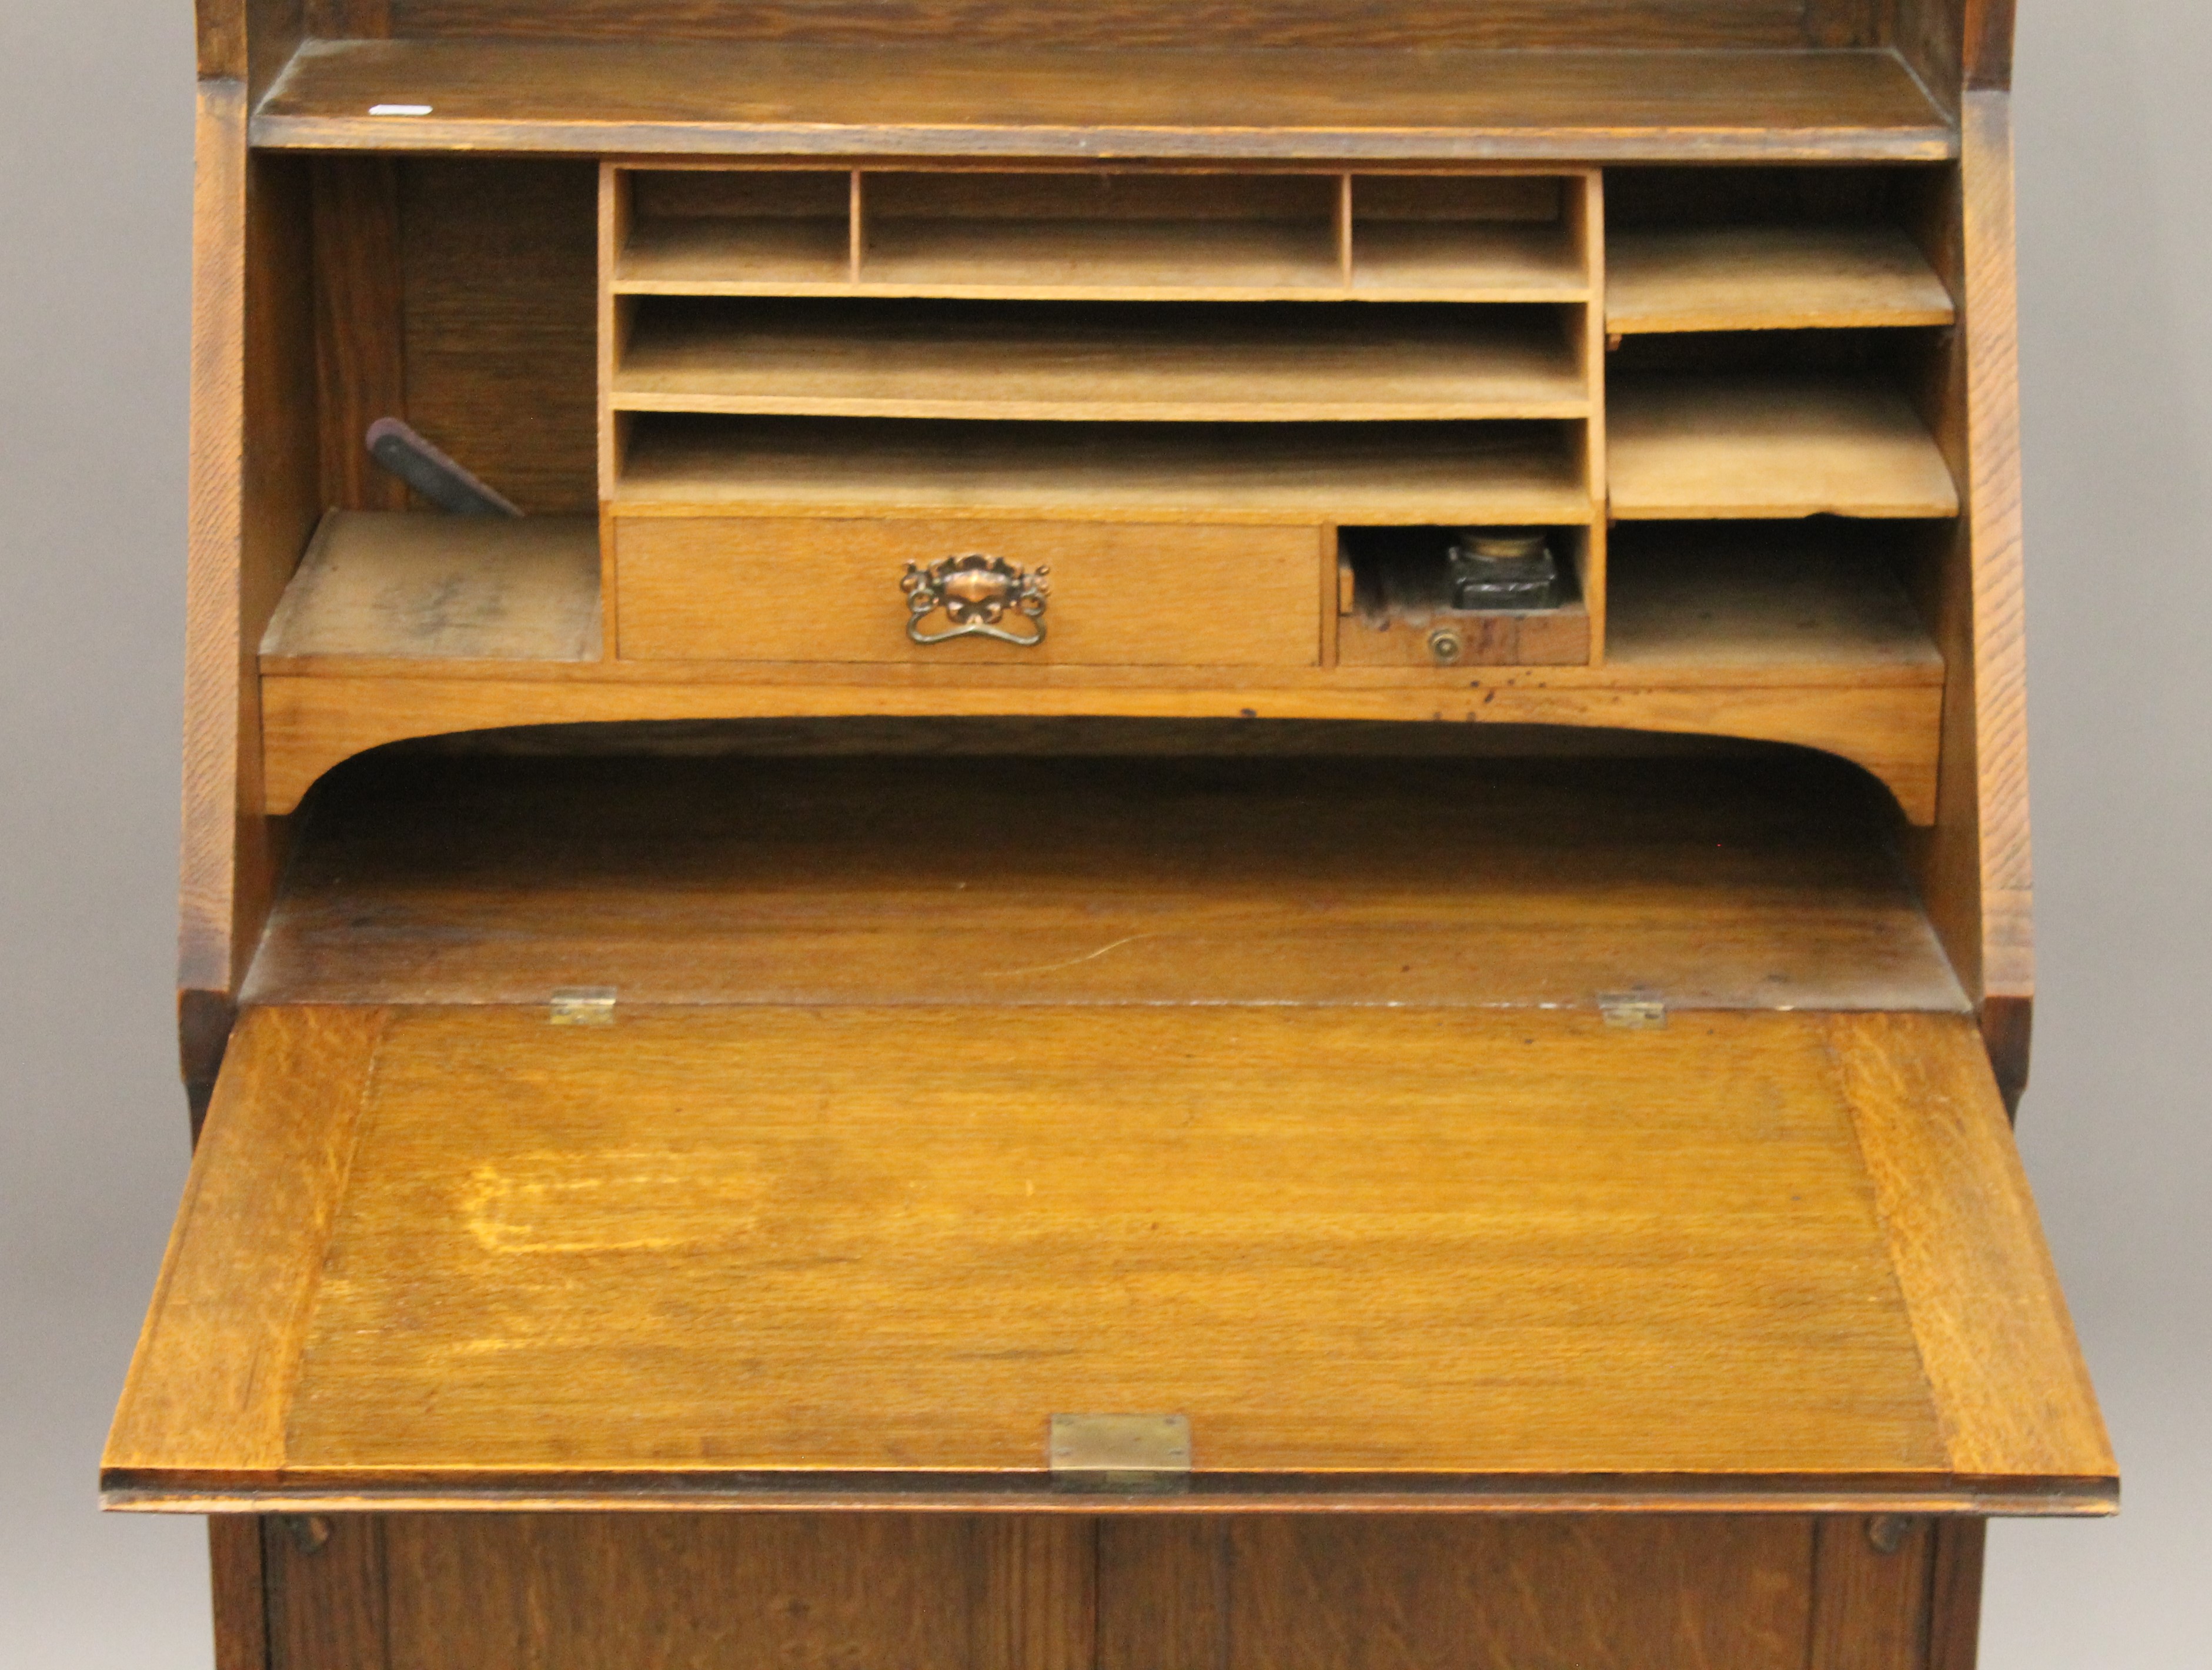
(583, 1005)
(1632, 1012)
(1120, 1453)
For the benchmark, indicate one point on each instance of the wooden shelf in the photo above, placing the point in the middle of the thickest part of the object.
(1770, 278)
(1146, 260)
(670, 97)
(736, 255)
(1685, 446)
(1065, 363)
(1226, 473)
(1737, 596)
(401, 585)
(1454, 261)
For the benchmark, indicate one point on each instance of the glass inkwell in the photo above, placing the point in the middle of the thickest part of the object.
(1504, 569)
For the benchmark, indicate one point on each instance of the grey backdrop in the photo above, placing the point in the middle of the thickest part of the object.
(2115, 132)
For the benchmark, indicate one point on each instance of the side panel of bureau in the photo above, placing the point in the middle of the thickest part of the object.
(1120, 594)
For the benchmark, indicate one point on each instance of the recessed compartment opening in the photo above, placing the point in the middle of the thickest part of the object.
(1775, 423)
(1825, 592)
(731, 228)
(1320, 862)
(1773, 249)
(1099, 230)
(1470, 595)
(1479, 237)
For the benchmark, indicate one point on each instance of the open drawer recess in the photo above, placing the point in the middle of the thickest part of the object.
(759, 1256)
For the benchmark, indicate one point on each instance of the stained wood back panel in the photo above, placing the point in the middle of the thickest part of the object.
(1358, 1593)
(506, 1591)
(1494, 1256)
(500, 272)
(1700, 23)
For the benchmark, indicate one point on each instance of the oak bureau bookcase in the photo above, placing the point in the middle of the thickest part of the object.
(1231, 869)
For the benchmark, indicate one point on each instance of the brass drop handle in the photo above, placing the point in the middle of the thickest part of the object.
(975, 594)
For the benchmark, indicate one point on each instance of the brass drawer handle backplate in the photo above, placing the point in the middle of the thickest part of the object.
(975, 593)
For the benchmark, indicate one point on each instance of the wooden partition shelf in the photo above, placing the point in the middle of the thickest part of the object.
(1224, 472)
(1759, 447)
(1100, 236)
(1060, 362)
(1770, 278)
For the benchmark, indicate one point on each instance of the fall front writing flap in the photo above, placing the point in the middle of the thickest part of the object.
(1466, 1258)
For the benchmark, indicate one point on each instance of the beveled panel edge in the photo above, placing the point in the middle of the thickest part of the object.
(1932, 144)
(303, 1491)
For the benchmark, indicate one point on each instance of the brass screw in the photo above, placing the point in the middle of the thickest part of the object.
(309, 1532)
(1444, 644)
(1887, 1532)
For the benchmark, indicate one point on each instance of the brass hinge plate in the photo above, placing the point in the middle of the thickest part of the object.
(1120, 1453)
(1632, 1012)
(583, 1005)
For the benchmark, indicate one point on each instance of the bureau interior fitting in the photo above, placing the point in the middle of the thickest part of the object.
(819, 440)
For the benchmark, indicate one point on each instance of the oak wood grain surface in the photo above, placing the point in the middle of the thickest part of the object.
(1273, 1592)
(219, 1351)
(361, 348)
(1503, 472)
(735, 1592)
(1756, 278)
(384, 583)
(1442, 881)
(729, 1592)
(1685, 446)
(1883, 719)
(1221, 364)
(645, 97)
(1507, 23)
(1869, 1599)
(1763, 594)
(1121, 593)
(1387, 1247)
(499, 266)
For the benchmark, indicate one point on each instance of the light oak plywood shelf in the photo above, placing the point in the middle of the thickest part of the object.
(1702, 447)
(642, 97)
(1770, 278)
(1226, 472)
(1034, 361)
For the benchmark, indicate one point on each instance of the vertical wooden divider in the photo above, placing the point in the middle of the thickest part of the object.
(858, 227)
(1587, 206)
(616, 315)
(1343, 229)
(1329, 591)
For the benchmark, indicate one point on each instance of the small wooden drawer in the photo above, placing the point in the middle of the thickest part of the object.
(948, 592)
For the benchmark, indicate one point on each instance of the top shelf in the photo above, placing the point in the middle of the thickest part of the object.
(671, 97)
